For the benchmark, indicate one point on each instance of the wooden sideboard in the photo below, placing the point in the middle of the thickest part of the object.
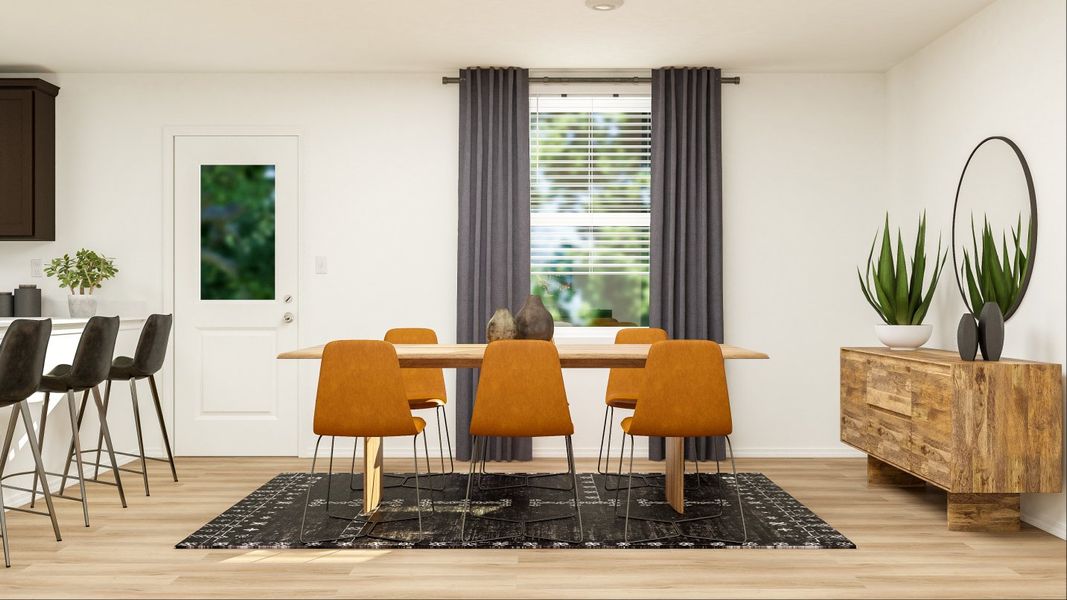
(982, 431)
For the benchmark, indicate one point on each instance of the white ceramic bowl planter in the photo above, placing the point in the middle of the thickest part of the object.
(903, 337)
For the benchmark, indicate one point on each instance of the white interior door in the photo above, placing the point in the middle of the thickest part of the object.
(235, 305)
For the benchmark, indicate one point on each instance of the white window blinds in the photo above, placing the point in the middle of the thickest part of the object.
(589, 185)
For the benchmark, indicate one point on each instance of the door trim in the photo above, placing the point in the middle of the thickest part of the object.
(170, 133)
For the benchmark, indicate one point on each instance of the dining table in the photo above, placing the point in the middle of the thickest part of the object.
(571, 356)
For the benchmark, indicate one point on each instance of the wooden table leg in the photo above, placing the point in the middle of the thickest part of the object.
(372, 474)
(983, 512)
(674, 485)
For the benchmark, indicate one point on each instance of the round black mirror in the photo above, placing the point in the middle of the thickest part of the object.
(994, 226)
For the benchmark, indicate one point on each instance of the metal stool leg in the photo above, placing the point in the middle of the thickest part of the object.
(100, 436)
(76, 441)
(40, 444)
(105, 433)
(3, 530)
(140, 439)
(27, 421)
(70, 448)
(162, 426)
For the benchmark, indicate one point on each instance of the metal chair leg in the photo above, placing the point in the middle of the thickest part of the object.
(162, 426)
(448, 440)
(100, 436)
(105, 433)
(40, 444)
(467, 500)
(629, 490)
(140, 438)
(76, 441)
(70, 447)
(3, 530)
(27, 421)
(600, 452)
(740, 509)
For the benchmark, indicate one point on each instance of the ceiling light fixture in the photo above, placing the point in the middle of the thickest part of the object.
(603, 5)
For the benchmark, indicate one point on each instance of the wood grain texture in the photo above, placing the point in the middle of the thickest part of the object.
(882, 473)
(903, 550)
(674, 486)
(571, 356)
(966, 426)
(995, 513)
(373, 455)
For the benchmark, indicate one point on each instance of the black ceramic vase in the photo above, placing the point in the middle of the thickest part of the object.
(967, 337)
(991, 331)
(533, 321)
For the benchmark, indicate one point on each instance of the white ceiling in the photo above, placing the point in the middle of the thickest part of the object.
(441, 35)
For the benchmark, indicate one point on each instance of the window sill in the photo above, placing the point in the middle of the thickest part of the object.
(585, 335)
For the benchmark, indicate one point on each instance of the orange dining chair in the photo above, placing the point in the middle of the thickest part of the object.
(361, 394)
(521, 394)
(684, 395)
(623, 387)
(425, 388)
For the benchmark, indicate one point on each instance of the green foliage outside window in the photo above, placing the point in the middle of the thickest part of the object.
(569, 176)
(237, 232)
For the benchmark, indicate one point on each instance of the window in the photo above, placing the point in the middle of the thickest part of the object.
(589, 203)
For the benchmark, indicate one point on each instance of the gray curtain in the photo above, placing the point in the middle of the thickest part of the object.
(494, 224)
(686, 237)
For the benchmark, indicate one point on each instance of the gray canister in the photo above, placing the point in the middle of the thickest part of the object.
(7, 304)
(27, 301)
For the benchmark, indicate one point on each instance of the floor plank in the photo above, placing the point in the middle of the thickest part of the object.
(905, 550)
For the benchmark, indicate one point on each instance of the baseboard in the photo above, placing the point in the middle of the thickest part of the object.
(1057, 528)
(640, 451)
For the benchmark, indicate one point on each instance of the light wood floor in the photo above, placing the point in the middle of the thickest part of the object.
(904, 551)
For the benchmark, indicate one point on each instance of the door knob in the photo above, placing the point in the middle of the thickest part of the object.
(288, 317)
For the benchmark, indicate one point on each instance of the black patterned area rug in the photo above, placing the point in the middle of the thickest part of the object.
(270, 517)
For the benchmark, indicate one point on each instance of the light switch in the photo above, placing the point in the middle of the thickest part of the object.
(35, 267)
(320, 265)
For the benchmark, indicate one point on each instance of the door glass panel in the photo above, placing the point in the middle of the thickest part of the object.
(237, 232)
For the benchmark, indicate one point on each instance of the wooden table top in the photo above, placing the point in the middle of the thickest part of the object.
(467, 356)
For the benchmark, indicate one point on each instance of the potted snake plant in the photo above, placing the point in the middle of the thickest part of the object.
(895, 293)
(81, 274)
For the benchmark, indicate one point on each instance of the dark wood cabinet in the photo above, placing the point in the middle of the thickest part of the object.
(27, 159)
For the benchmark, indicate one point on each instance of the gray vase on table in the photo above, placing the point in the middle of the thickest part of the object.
(533, 321)
(501, 326)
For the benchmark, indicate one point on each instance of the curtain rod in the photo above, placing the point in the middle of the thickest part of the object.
(732, 80)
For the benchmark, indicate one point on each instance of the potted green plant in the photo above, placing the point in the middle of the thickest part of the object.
(897, 295)
(81, 275)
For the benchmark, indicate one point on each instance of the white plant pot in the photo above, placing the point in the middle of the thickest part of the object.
(81, 306)
(903, 337)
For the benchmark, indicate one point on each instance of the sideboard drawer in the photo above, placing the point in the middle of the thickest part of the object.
(889, 386)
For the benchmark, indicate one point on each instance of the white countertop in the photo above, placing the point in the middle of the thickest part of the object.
(65, 324)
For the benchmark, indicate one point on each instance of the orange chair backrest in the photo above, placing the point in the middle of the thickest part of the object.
(520, 391)
(685, 391)
(626, 383)
(361, 392)
(421, 384)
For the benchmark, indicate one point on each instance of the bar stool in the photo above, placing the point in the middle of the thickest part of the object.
(147, 360)
(684, 395)
(22, 354)
(521, 394)
(86, 371)
(361, 394)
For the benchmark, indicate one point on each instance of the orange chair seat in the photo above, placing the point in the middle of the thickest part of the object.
(626, 424)
(420, 423)
(421, 403)
(622, 402)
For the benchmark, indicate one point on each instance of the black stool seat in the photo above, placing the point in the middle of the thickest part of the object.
(58, 381)
(123, 369)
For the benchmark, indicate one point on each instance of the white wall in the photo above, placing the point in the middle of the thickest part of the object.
(803, 155)
(1002, 72)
